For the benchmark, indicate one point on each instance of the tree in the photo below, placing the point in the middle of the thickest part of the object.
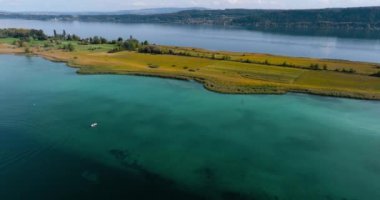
(96, 40)
(131, 44)
(103, 40)
(75, 37)
(55, 33)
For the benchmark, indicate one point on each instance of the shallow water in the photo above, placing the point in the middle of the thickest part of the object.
(170, 139)
(219, 38)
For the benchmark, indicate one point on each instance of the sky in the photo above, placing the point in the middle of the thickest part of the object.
(113, 5)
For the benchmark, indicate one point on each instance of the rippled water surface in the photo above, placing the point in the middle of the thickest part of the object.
(218, 38)
(169, 139)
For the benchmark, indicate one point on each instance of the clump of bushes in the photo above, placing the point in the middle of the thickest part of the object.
(68, 47)
(114, 50)
(377, 74)
(47, 45)
(27, 50)
(20, 43)
(350, 71)
(130, 44)
(344, 70)
(94, 48)
(153, 49)
(153, 66)
(315, 67)
(226, 58)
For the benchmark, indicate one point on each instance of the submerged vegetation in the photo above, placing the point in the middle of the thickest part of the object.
(219, 71)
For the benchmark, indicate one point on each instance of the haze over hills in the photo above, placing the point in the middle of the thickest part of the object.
(362, 18)
(148, 11)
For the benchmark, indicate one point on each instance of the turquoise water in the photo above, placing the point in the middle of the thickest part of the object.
(169, 139)
(355, 47)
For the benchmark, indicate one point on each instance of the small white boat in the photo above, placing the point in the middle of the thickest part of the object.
(93, 125)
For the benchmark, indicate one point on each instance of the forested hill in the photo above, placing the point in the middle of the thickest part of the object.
(365, 18)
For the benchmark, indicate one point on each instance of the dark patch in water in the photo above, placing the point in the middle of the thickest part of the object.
(119, 154)
(372, 166)
(303, 144)
(206, 173)
(234, 196)
(61, 176)
(132, 164)
(91, 176)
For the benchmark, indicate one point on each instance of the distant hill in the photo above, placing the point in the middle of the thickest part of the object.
(150, 11)
(365, 18)
(154, 11)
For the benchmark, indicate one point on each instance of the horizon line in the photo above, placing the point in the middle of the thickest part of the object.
(189, 8)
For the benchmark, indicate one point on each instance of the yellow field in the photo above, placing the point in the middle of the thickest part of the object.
(227, 76)
(299, 62)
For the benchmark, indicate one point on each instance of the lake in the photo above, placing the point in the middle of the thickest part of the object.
(169, 139)
(219, 38)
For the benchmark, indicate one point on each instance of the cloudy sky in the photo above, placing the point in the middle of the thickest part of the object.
(110, 5)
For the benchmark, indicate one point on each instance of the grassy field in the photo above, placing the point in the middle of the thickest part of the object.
(225, 72)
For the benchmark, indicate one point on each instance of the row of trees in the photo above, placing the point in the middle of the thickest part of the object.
(65, 36)
(131, 44)
(344, 70)
(23, 34)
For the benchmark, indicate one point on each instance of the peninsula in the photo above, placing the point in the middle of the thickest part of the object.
(219, 71)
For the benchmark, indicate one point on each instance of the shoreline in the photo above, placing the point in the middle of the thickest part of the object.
(211, 84)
